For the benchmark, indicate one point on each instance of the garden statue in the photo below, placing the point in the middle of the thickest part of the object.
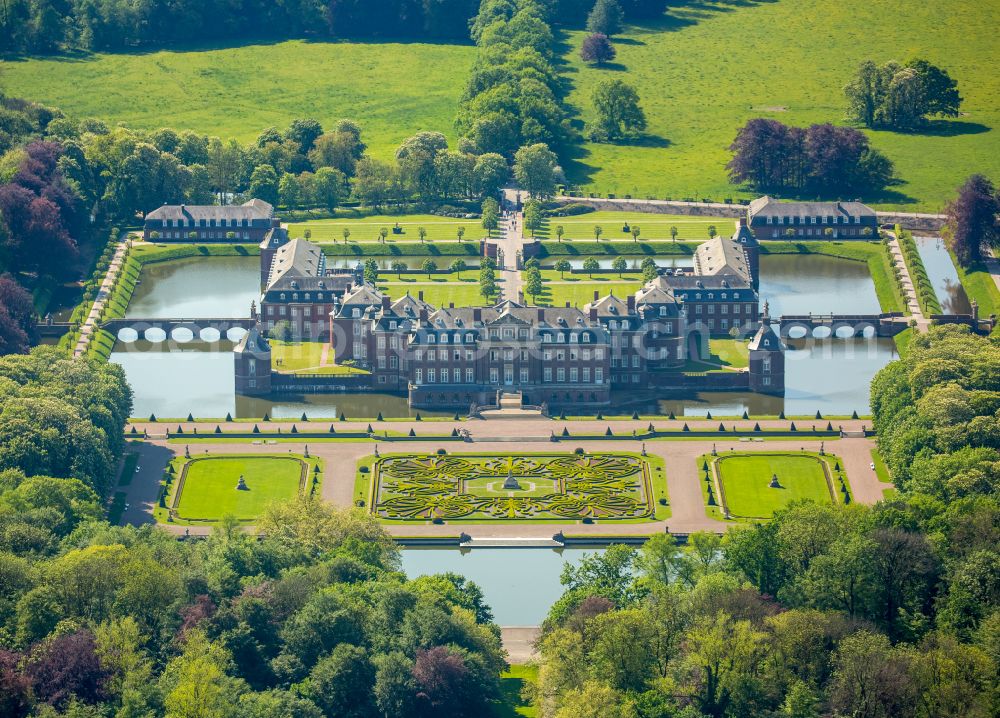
(643, 452)
(241, 485)
(822, 452)
(307, 451)
(510, 482)
(714, 452)
(376, 451)
(774, 482)
(187, 452)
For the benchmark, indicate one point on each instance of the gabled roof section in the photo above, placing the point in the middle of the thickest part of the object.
(363, 295)
(720, 256)
(410, 306)
(608, 306)
(253, 342)
(768, 206)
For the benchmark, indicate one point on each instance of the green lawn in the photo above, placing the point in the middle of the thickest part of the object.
(651, 226)
(209, 490)
(729, 352)
(439, 292)
(554, 250)
(306, 358)
(745, 478)
(979, 285)
(366, 228)
(708, 67)
(512, 683)
(578, 289)
(392, 89)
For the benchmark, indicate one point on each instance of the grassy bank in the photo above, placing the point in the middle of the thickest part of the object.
(979, 286)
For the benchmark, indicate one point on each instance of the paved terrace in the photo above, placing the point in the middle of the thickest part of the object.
(528, 435)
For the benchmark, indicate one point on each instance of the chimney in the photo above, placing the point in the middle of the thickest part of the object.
(451, 305)
(630, 303)
(593, 314)
(520, 296)
(420, 295)
(597, 294)
(568, 305)
(386, 305)
(477, 314)
(541, 314)
(423, 315)
(742, 221)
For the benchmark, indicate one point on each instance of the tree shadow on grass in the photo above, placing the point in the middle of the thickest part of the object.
(951, 128)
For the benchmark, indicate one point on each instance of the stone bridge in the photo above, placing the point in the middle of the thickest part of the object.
(841, 326)
(180, 330)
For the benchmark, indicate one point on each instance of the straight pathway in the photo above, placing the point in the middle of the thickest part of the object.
(909, 290)
(511, 243)
(992, 265)
(89, 325)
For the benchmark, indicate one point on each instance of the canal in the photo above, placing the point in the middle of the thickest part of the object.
(941, 271)
(829, 376)
(519, 584)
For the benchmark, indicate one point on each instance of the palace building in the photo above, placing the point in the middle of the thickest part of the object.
(248, 222)
(455, 357)
(770, 219)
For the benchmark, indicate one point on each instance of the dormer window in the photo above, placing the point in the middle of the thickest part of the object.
(392, 325)
(560, 339)
(663, 311)
(431, 339)
(282, 296)
(469, 338)
(586, 337)
(356, 313)
(767, 342)
(546, 339)
(444, 338)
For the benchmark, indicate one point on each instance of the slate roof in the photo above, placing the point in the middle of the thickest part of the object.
(720, 256)
(253, 342)
(255, 209)
(767, 206)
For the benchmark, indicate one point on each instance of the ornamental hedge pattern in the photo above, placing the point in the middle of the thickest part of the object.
(583, 486)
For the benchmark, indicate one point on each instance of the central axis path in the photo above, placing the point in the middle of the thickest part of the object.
(511, 244)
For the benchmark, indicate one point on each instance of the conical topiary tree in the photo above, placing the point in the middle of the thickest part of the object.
(565, 431)
(343, 417)
(152, 417)
(672, 417)
(685, 427)
(746, 414)
(295, 429)
(756, 426)
(190, 417)
(608, 432)
(256, 429)
(304, 417)
(722, 427)
(708, 415)
(418, 417)
(818, 415)
(229, 417)
(379, 417)
(412, 432)
(854, 414)
(792, 427)
(635, 414)
(218, 429)
(267, 417)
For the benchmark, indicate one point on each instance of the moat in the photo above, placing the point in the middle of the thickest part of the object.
(171, 380)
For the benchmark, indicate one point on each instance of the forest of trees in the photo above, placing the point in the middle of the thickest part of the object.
(97, 621)
(884, 611)
(819, 160)
(901, 97)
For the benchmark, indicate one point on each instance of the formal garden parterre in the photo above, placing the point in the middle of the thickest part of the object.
(552, 487)
(745, 486)
(203, 489)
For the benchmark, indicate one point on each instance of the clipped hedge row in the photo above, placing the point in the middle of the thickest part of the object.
(922, 284)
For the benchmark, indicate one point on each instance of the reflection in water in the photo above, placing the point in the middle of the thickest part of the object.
(506, 576)
(944, 278)
(831, 376)
(197, 287)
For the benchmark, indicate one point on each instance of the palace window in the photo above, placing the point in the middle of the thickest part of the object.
(560, 375)
(547, 374)
(431, 375)
(599, 375)
(418, 376)
(586, 374)
(524, 376)
(393, 362)
(470, 377)
(381, 362)
(573, 376)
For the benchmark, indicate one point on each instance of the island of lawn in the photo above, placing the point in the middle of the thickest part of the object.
(740, 483)
(204, 489)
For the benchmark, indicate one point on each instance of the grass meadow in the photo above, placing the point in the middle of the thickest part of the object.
(709, 66)
(392, 90)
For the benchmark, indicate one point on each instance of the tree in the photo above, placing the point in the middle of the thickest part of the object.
(563, 266)
(422, 234)
(597, 49)
(870, 678)
(458, 266)
(533, 282)
(341, 683)
(491, 215)
(673, 233)
(560, 232)
(490, 174)
(346, 232)
(712, 231)
(972, 220)
(68, 668)
(460, 232)
(399, 267)
(428, 266)
(340, 149)
(619, 264)
(264, 184)
(598, 231)
(635, 231)
(605, 18)
(535, 170)
(940, 90)
(591, 265)
(304, 134)
(373, 181)
(328, 186)
(17, 317)
(289, 191)
(618, 112)
(533, 215)
(487, 282)
(649, 269)
(371, 270)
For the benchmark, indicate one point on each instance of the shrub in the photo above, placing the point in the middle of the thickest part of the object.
(364, 469)
(570, 210)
